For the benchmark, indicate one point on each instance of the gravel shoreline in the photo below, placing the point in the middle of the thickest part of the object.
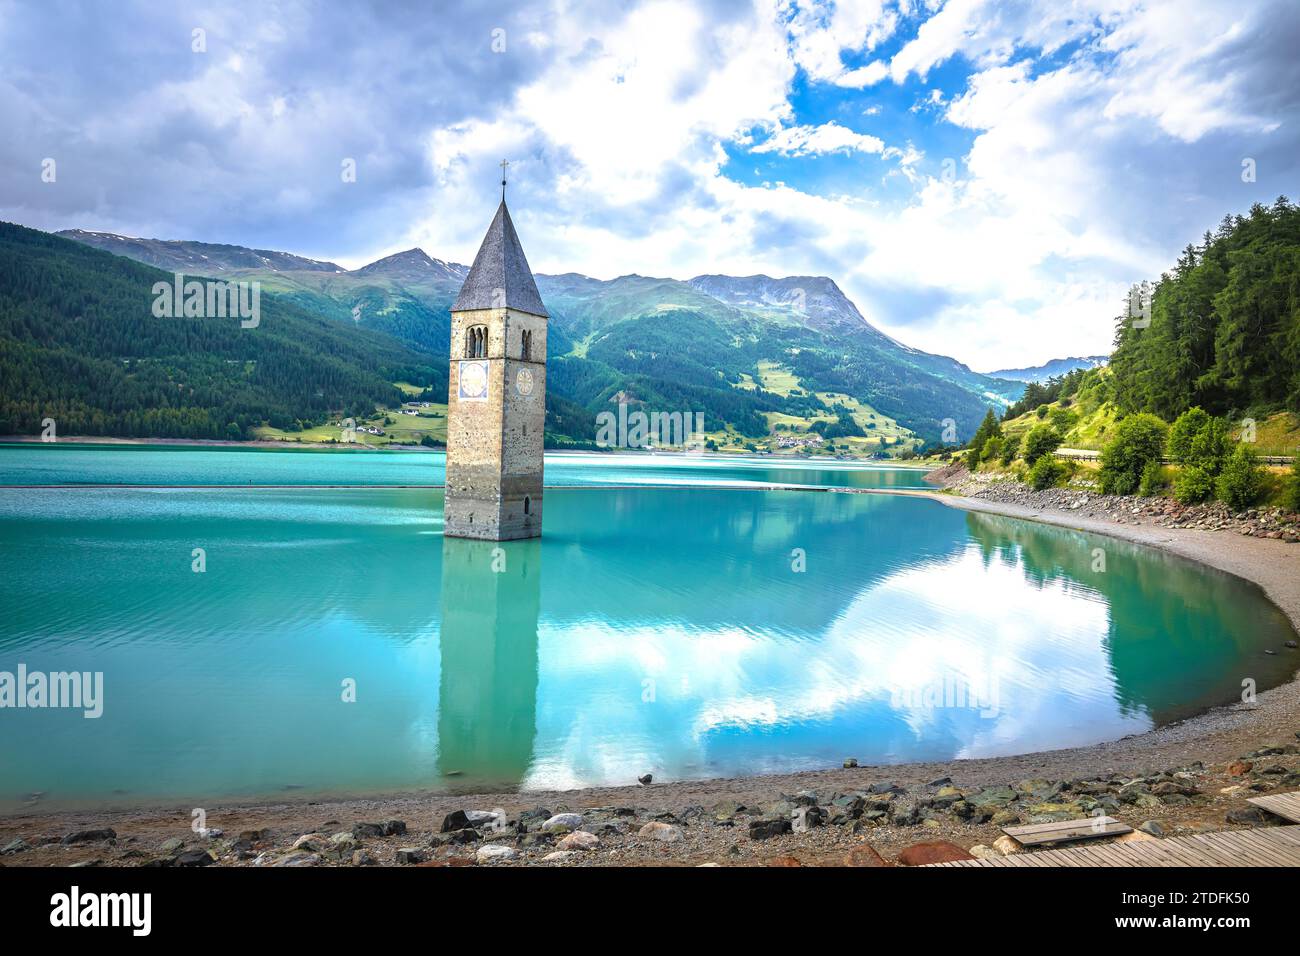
(1187, 776)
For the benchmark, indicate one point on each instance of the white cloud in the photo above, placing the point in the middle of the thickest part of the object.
(1170, 59)
(864, 76)
(814, 140)
(989, 33)
(1024, 256)
(820, 33)
(1090, 140)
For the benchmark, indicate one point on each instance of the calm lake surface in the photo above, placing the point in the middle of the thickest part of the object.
(193, 465)
(653, 629)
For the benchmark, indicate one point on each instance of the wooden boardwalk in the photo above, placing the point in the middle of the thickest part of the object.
(1267, 846)
(1285, 805)
(1067, 831)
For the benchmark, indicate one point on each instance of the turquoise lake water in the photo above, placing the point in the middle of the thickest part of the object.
(652, 629)
(32, 464)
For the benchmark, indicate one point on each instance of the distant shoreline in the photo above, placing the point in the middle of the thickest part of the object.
(110, 441)
(353, 448)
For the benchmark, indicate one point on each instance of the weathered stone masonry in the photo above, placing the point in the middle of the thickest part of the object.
(496, 403)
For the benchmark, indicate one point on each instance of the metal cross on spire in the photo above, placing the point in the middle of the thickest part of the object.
(505, 163)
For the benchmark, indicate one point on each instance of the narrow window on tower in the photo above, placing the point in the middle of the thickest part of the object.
(476, 342)
(528, 502)
(528, 345)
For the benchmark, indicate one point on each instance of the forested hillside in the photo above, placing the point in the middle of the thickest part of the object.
(79, 344)
(1224, 337)
(1193, 397)
(1225, 324)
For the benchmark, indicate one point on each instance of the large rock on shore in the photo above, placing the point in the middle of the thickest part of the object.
(1007, 845)
(468, 819)
(865, 855)
(724, 813)
(663, 832)
(999, 797)
(806, 818)
(579, 840)
(310, 843)
(534, 818)
(905, 813)
(197, 857)
(936, 851)
(366, 831)
(767, 829)
(1249, 816)
(561, 822)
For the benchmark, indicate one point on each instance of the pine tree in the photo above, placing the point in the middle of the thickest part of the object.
(989, 428)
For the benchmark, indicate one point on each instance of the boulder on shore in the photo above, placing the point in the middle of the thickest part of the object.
(663, 832)
(562, 821)
(865, 855)
(495, 852)
(767, 829)
(935, 851)
(1007, 845)
(1249, 816)
(579, 840)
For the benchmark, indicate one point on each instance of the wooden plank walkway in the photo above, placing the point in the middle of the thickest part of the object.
(1285, 805)
(1268, 846)
(1067, 831)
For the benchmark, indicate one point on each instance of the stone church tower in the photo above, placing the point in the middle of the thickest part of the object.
(496, 403)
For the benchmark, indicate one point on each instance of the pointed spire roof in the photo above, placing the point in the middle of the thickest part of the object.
(500, 265)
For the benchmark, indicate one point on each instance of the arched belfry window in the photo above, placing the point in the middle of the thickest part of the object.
(526, 352)
(476, 341)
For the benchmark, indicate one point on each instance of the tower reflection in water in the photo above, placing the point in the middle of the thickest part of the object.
(491, 593)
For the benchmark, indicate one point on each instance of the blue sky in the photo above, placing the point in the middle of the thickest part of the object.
(983, 178)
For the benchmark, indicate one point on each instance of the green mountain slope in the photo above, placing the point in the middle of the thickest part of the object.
(79, 343)
(198, 258)
(706, 345)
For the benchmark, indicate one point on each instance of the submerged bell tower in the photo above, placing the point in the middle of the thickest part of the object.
(496, 401)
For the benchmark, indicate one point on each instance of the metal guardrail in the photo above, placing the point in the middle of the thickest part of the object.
(1079, 454)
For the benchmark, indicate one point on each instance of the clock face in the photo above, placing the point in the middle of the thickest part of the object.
(524, 381)
(473, 381)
